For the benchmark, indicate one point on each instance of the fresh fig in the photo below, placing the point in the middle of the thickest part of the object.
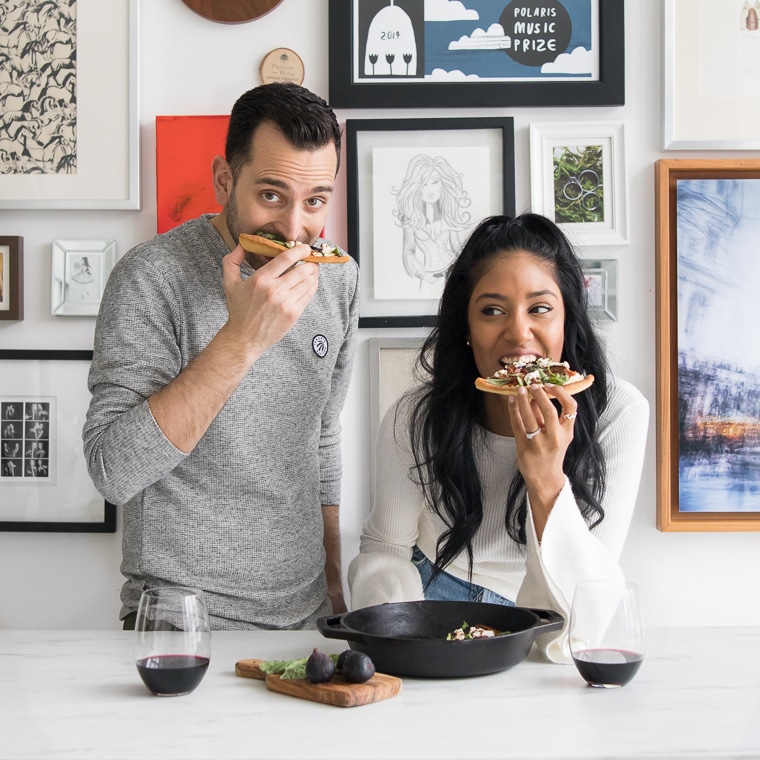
(357, 667)
(341, 659)
(319, 667)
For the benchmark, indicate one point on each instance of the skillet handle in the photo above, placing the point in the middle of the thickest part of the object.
(333, 627)
(554, 621)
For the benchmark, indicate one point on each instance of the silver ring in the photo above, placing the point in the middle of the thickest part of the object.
(570, 416)
(531, 436)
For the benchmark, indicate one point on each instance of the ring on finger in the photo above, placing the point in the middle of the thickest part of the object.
(531, 436)
(570, 416)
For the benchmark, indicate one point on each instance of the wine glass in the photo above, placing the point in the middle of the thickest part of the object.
(607, 639)
(172, 639)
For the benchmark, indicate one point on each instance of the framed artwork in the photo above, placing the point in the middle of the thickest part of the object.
(391, 374)
(449, 54)
(44, 484)
(69, 135)
(416, 188)
(710, 70)
(600, 277)
(79, 274)
(708, 391)
(185, 149)
(11, 278)
(578, 179)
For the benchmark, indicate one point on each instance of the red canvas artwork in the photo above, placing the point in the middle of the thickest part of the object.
(185, 148)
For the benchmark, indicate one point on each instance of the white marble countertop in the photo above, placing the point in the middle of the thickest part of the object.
(77, 694)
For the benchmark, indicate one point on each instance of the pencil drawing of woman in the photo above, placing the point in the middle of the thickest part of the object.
(431, 203)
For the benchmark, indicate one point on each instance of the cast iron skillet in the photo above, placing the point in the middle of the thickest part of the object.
(409, 638)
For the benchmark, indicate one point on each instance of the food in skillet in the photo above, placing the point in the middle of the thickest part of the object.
(530, 370)
(266, 244)
(467, 632)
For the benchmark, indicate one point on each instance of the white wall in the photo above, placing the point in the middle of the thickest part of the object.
(193, 66)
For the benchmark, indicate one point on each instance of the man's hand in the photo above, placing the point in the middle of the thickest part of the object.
(265, 306)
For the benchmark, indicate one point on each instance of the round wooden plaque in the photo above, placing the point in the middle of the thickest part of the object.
(281, 65)
(231, 11)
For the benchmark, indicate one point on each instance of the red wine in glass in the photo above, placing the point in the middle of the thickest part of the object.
(607, 667)
(174, 674)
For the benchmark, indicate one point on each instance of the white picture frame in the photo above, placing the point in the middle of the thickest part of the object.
(391, 365)
(95, 131)
(80, 270)
(597, 195)
(601, 280)
(709, 74)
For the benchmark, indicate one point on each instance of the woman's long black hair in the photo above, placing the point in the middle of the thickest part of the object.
(447, 413)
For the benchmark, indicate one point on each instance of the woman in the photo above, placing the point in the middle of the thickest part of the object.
(471, 502)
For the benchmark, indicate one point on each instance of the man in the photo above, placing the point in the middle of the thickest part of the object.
(218, 380)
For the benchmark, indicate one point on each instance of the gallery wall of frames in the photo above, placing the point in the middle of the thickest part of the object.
(510, 104)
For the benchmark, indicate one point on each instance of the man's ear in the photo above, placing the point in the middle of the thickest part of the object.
(222, 177)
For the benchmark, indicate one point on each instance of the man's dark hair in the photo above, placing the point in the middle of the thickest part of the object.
(305, 120)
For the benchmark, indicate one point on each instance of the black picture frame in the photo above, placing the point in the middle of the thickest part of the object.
(54, 475)
(482, 146)
(344, 49)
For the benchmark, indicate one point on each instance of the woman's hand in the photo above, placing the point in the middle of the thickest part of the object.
(542, 436)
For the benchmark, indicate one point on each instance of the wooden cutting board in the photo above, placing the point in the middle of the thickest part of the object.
(337, 692)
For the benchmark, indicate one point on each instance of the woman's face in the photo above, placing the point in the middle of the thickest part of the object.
(516, 308)
(431, 189)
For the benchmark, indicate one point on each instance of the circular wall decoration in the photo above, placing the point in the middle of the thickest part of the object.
(231, 11)
(281, 65)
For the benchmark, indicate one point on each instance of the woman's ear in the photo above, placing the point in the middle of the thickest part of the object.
(223, 180)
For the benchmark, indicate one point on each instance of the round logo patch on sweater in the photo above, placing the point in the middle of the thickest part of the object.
(320, 346)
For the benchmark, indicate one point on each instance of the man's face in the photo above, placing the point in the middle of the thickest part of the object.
(282, 190)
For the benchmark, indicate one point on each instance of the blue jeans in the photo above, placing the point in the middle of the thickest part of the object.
(446, 587)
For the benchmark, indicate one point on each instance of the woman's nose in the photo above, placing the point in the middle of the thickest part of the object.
(517, 329)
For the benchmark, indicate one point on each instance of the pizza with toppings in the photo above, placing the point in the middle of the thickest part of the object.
(266, 244)
(530, 370)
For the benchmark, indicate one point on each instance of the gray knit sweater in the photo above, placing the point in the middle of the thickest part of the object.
(240, 516)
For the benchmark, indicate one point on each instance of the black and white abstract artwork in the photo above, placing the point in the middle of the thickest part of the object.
(38, 87)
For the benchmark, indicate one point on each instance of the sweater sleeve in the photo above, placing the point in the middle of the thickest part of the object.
(569, 552)
(330, 461)
(383, 570)
(135, 354)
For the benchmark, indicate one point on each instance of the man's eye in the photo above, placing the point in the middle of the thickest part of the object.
(268, 195)
(316, 202)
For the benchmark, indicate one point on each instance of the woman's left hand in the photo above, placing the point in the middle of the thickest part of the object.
(542, 436)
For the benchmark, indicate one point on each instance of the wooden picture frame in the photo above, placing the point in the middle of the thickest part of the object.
(387, 161)
(708, 393)
(44, 483)
(463, 61)
(11, 278)
(72, 134)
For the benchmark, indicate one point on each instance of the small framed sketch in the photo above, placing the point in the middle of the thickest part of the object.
(578, 179)
(80, 272)
(600, 277)
(12, 278)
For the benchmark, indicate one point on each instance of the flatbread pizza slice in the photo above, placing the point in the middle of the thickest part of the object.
(531, 370)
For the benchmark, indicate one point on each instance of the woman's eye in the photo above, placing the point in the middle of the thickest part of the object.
(492, 311)
(541, 309)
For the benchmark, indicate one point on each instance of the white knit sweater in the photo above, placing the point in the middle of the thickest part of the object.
(539, 575)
